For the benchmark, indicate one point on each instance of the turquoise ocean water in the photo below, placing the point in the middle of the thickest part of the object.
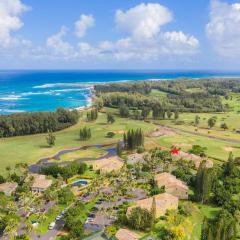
(27, 91)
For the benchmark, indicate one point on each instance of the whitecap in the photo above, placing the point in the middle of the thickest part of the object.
(12, 98)
(52, 85)
(11, 110)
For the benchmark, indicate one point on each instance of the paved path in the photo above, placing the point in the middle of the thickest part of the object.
(96, 236)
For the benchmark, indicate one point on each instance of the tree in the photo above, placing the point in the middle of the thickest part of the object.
(133, 139)
(65, 196)
(169, 114)
(198, 150)
(2, 180)
(110, 134)
(119, 149)
(197, 120)
(50, 138)
(211, 122)
(124, 111)
(221, 228)
(85, 134)
(110, 118)
(145, 112)
(204, 182)
(73, 222)
(224, 126)
(92, 115)
(137, 115)
(176, 115)
(140, 219)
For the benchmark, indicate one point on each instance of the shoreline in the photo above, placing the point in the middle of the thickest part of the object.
(91, 95)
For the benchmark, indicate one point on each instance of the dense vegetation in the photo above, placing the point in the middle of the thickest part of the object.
(37, 122)
(66, 171)
(179, 95)
(133, 139)
(220, 186)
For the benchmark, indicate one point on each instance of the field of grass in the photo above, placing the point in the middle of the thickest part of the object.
(29, 149)
(230, 118)
(92, 152)
(157, 93)
(198, 216)
(215, 148)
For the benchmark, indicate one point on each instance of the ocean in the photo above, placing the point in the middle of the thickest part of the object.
(28, 91)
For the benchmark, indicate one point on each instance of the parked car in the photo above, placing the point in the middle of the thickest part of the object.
(58, 217)
(51, 226)
(91, 215)
(89, 220)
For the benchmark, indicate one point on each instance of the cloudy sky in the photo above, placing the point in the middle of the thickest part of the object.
(120, 34)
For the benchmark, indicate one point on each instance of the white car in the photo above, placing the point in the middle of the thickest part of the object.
(89, 220)
(51, 226)
(58, 217)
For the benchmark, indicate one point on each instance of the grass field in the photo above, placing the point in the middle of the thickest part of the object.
(92, 152)
(215, 148)
(198, 216)
(231, 118)
(29, 149)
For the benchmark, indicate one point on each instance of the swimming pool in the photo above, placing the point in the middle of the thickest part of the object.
(80, 182)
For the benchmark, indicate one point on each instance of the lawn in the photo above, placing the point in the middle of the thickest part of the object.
(29, 149)
(231, 118)
(92, 152)
(158, 94)
(215, 149)
(198, 216)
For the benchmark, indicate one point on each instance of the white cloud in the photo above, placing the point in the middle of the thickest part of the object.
(179, 43)
(83, 24)
(59, 46)
(10, 11)
(143, 38)
(144, 20)
(223, 29)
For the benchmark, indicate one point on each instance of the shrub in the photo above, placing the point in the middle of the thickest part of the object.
(140, 149)
(110, 135)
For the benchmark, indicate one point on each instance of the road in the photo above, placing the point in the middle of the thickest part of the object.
(51, 234)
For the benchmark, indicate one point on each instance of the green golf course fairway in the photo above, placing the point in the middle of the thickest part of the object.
(29, 149)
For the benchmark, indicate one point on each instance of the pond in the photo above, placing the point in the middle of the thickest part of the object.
(109, 150)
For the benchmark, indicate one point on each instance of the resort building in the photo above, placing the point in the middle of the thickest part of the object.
(192, 157)
(108, 165)
(39, 182)
(172, 185)
(8, 188)
(164, 202)
(125, 234)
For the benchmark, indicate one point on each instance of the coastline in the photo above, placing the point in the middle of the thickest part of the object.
(71, 93)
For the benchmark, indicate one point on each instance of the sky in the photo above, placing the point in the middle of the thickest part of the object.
(120, 34)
